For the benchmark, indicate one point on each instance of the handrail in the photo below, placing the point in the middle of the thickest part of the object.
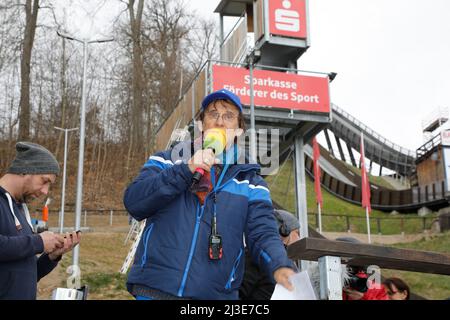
(361, 254)
(375, 205)
(429, 145)
(225, 39)
(245, 48)
(200, 70)
(435, 115)
(340, 215)
(373, 133)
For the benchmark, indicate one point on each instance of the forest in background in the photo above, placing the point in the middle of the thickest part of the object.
(133, 84)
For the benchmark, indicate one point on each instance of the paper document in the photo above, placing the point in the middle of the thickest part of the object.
(303, 289)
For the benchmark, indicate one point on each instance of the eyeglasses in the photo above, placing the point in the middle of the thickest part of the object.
(226, 117)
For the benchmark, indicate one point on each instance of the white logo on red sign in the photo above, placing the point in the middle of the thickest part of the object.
(287, 20)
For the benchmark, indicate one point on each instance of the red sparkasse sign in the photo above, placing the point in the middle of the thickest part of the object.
(288, 18)
(275, 89)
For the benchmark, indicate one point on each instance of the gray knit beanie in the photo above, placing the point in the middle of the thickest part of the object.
(289, 219)
(32, 158)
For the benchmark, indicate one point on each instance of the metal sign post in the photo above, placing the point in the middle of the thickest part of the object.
(300, 189)
(63, 192)
(79, 195)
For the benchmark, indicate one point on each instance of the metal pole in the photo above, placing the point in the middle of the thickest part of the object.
(78, 204)
(252, 115)
(111, 218)
(193, 104)
(368, 225)
(63, 192)
(221, 37)
(300, 190)
(79, 196)
(319, 211)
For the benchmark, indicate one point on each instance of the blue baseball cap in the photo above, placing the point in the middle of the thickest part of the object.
(222, 94)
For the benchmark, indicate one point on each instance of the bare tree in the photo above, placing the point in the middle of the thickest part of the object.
(167, 27)
(31, 13)
(201, 44)
(137, 80)
(9, 43)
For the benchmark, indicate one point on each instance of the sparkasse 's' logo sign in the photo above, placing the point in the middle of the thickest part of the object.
(288, 18)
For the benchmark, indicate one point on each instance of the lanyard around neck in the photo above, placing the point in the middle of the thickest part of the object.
(228, 157)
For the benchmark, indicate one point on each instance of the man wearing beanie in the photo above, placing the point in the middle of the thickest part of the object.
(290, 223)
(30, 175)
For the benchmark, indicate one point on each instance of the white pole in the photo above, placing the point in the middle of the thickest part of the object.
(63, 196)
(300, 191)
(319, 210)
(63, 192)
(253, 151)
(79, 195)
(110, 218)
(368, 225)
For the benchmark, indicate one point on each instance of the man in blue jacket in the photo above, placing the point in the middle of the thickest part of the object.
(193, 242)
(30, 175)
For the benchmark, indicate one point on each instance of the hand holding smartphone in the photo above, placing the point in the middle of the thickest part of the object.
(78, 232)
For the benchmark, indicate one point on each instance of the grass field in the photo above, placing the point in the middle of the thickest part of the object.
(430, 286)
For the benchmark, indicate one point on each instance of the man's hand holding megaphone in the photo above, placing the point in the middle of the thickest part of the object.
(213, 145)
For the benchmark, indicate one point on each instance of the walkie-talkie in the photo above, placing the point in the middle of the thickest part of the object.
(215, 247)
(215, 243)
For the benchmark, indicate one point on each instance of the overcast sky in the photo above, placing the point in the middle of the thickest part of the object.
(392, 57)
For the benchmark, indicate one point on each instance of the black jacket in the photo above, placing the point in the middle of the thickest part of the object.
(20, 269)
(257, 285)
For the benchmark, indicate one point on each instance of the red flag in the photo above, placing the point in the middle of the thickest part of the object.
(365, 186)
(316, 156)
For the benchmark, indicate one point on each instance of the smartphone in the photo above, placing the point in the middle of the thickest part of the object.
(78, 232)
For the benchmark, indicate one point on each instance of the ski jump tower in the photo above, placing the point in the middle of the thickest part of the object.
(268, 39)
(258, 61)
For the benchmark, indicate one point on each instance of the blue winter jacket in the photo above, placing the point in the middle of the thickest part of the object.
(172, 255)
(20, 269)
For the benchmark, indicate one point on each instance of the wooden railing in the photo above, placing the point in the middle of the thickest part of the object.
(360, 254)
